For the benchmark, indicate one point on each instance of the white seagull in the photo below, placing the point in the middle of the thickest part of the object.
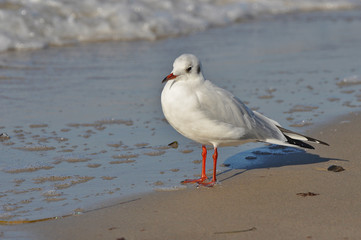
(210, 115)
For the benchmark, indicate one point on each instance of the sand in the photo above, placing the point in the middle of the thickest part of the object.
(290, 202)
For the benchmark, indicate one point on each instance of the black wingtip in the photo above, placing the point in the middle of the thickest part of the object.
(316, 140)
(298, 142)
(324, 143)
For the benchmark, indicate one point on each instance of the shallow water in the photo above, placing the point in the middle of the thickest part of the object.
(85, 122)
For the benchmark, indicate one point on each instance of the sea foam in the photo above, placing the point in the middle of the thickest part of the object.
(36, 24)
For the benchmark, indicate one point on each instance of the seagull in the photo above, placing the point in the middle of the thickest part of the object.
(210, 115)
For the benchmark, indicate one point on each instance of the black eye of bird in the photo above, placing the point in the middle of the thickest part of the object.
(189, 69)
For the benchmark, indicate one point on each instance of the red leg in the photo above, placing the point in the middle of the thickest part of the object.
(215, 157)
(204, 176)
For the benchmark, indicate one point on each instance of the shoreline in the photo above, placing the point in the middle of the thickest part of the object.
(292, 201)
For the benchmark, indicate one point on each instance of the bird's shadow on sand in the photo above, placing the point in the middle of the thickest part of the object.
(271, 156)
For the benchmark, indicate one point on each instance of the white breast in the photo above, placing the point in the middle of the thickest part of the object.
(187, 109)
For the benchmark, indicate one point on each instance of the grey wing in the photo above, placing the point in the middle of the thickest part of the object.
(227, 108)
(260, 126)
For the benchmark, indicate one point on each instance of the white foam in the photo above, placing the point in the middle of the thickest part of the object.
(170, 188)
(349, 81)
(36, 24)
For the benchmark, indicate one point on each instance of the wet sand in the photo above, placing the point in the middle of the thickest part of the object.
(289, 202)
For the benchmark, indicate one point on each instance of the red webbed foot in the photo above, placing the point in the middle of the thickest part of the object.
(208, 184)
(198, 180)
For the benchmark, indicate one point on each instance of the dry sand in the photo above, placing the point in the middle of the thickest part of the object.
(290, 202)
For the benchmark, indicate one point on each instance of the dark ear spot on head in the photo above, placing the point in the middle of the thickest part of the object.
(199, 69)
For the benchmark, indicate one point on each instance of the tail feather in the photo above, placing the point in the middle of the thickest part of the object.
(298, 139)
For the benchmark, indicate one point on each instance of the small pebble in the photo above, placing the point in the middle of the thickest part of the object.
(173, 144)
(4, 136)
(335, 168)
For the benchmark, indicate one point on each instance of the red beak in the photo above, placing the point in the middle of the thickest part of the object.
(169, 77)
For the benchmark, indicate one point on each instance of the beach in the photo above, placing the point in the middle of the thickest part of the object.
(290, 202)
(87, 155)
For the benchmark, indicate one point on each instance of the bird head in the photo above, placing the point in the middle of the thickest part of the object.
(185, 67)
